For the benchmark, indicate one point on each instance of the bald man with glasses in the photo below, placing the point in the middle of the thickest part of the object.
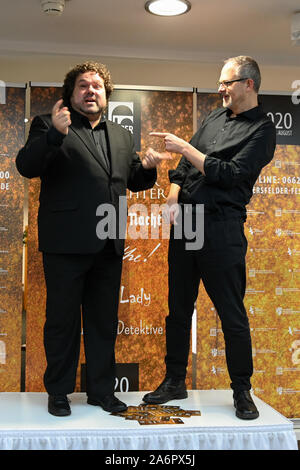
(218, 169)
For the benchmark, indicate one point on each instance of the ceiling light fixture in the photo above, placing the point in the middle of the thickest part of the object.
(295, 29)
(167, 7)
(53, 7)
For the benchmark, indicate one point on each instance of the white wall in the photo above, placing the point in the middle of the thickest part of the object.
(52, 68)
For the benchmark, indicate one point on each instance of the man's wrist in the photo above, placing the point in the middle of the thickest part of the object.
(55, 137)
(195, 157)
(186, 149)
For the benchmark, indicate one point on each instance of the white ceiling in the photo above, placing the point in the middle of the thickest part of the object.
(211, 31)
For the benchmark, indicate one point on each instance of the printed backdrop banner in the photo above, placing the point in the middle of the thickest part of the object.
(124, 108)
(144, 288)
(273, 272)
(272, 229)
(140, 347)
(12, 115)
(42, 100)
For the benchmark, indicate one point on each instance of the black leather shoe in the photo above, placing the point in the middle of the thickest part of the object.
(58, 405)
(169, 389)
(245, 407)
(109, 403)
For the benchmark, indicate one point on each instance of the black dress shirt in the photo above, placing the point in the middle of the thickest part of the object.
(236, 150)
(98, 134)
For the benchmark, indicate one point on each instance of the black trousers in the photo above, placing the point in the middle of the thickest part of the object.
(86, 284)
(220, 264)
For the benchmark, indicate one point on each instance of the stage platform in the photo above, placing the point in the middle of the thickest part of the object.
(25, 424)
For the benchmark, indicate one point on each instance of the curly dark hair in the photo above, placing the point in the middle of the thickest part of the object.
(88, 66)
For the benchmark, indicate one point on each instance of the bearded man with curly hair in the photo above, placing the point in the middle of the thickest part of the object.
(84, 163)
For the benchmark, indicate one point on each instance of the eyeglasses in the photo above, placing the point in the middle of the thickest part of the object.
(227, 83)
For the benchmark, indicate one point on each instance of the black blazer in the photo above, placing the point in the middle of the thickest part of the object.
(75, 181)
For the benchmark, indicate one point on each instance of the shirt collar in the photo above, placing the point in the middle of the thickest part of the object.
(251, 114)
(80, 117)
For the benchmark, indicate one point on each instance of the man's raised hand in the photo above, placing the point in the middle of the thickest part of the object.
(61, 117)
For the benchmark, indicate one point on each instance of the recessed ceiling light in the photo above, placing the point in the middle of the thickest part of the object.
(168, 7)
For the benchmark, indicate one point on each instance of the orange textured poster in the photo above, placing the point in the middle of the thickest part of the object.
(272, 296)
(12, 114)
(143, 294)
(144, 289)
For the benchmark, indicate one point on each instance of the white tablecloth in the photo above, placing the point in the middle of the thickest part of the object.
(25, 424)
